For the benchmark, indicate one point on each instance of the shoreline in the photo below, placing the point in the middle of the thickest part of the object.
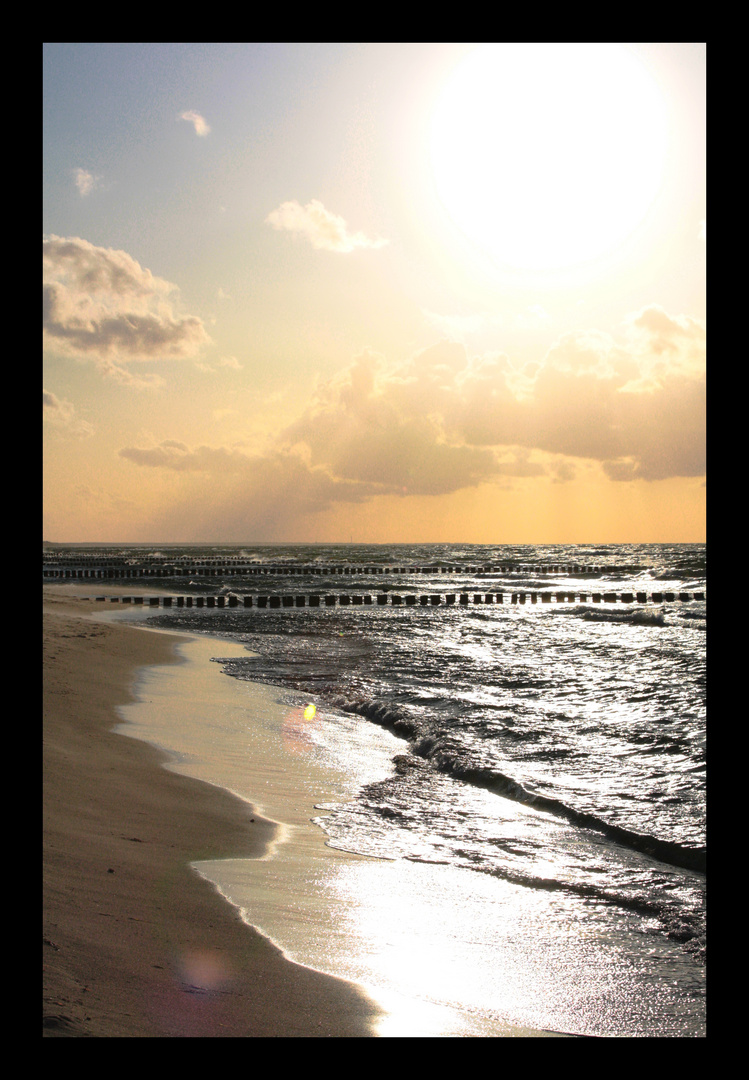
(141, 937)
(135, 942)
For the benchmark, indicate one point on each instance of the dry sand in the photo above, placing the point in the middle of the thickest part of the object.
(134, 942)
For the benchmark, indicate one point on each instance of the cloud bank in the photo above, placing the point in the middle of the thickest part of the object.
(444, 421)
(100, 304)
(241, 494)
(323, 229)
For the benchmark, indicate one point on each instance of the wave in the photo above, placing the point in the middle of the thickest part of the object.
(682, 926)
(632, 617)
(641, 616)
(450, 759)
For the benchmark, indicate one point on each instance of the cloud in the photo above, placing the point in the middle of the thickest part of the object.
(631, 406)
(373, 425)
(322, 228)
(635, 404)
(444, 420)
(462, 327)
(175, 455)
(61, 414)
(669, 333)
(102, 305)
(230, 362)
(85, 181)
(243, 494)
(197, 121)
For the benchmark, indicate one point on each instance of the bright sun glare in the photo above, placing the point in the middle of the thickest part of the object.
(548, 155)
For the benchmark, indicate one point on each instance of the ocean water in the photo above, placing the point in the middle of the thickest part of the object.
(526, 780)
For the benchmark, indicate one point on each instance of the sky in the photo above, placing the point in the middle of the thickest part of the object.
(374, 292)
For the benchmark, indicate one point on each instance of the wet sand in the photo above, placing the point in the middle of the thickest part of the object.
(135, 943)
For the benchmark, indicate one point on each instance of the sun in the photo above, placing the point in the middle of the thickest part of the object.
(548, 155)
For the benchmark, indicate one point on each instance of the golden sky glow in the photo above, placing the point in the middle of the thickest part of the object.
(380, 292)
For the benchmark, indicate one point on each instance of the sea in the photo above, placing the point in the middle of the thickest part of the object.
(520, 782)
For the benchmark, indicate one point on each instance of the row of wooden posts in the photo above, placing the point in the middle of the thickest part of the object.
(61, 570)
(393, 600)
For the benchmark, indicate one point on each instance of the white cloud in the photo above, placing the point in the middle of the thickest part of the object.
(197, 121)
(85, 181)
(322, 228)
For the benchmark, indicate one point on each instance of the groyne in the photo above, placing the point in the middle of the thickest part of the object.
(82, 566)
(388, 599)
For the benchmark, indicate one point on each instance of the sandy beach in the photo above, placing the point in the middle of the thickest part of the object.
(135, 943)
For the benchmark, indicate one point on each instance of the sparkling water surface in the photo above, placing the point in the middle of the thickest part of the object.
(543, 778)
